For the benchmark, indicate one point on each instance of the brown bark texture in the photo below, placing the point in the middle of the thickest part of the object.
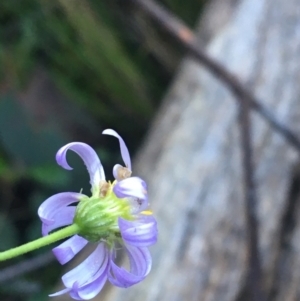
(191, 160)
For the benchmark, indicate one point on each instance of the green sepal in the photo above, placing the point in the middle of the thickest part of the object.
(97, 217)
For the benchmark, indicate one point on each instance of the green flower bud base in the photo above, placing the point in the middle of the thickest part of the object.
(97, 217)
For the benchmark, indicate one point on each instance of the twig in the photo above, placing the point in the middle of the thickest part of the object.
(189, 41)
(15, 271)
(254, 262)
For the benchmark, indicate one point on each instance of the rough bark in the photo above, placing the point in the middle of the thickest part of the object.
(192, 162)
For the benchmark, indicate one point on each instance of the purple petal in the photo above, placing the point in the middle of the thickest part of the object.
(115, 171)
(68, 249)
(89, 157)
(62, 218)
(123, 147)
(133, 187)
(74, 295)
(53, 211)
(86, 280)
(90, 290)
(85, 273)
(139, 233)
(64, 291)
(140, 266)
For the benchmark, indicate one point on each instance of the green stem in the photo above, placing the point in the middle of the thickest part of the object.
(40, 242)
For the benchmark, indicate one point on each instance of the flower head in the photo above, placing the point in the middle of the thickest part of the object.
(113, 215)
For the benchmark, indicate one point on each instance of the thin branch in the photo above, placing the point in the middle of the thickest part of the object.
(254, 263)
(189, 41)
(26, 266)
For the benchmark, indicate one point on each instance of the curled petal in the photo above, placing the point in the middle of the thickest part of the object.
(140, 266)
(62, 218)
(123, 147)
(91, 289)
(68, 249)
(86, 280)
(54, 210)
(87, 269)
(74, 295)
(115, 170)
(133, 187)
(120, 173)
(64, 291)
(139, 233)
(89, 157)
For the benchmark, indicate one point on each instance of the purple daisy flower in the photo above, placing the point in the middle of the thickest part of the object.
(114, 215)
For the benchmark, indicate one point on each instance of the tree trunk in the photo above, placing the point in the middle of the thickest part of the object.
(191, 160)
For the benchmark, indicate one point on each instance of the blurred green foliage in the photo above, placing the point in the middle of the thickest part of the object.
(104, 64)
